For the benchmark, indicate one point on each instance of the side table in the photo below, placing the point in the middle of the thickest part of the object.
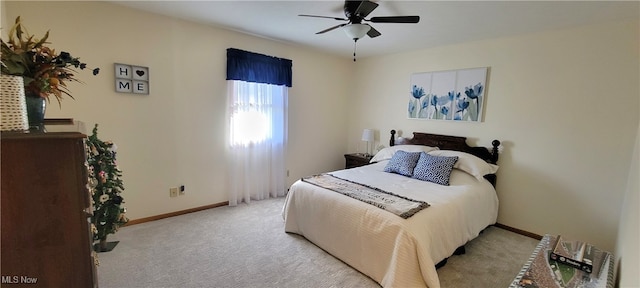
(356, 160)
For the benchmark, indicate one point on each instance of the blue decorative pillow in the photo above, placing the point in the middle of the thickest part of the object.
(436, 169)
(402, 163)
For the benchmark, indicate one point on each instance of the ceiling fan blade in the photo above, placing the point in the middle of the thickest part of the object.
(328, 17)
(373, 32)
(365, 8)
(395, 19)
(332, 28)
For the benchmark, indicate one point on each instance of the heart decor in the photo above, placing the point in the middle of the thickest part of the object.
(140, 73)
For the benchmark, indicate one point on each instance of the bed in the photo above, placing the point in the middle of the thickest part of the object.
(394, 250)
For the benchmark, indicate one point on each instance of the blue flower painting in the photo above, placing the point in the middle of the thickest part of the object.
(417, 93)
(456, 95)
(475, 95)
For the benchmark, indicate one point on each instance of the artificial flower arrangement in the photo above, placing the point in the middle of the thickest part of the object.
(45, 72)
(106, 188)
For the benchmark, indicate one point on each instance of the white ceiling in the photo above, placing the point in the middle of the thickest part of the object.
(441, 22)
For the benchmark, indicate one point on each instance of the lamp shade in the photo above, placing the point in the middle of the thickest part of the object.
(356, 31)
(367, 135)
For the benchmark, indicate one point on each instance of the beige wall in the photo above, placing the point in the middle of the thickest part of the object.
(3, 16)
(628, 254)
(565, 105)
(175, 135)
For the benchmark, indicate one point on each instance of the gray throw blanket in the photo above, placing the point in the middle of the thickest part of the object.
(396, 204)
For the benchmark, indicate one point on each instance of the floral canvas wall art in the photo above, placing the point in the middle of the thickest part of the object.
(456, 95)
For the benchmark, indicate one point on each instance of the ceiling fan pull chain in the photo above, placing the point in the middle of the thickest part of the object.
(354, 50)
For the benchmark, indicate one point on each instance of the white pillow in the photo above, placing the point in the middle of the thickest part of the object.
(387, 152)
(468, 163)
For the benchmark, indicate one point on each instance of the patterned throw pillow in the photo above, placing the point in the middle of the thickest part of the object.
(436, 169)
(403, 163)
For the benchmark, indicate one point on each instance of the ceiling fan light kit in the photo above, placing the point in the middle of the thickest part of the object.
(356, 31)
(356, 11)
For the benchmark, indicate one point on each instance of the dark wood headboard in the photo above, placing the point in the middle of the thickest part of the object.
(445, 142)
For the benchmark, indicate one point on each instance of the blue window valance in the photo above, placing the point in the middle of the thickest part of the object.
(253, 67)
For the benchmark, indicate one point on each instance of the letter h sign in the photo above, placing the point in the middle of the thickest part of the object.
(132, 79)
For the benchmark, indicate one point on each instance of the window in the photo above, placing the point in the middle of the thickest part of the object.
(257, 112)
(257, 93)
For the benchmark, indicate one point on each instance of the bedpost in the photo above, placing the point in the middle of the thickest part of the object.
(494, 152)
(392, 141)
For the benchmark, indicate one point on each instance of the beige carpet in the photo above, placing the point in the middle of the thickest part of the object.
(246, 246)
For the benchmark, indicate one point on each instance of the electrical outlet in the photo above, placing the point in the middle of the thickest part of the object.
(181, 190)
(173, 192)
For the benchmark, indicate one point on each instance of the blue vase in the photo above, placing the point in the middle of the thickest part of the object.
(36, 107)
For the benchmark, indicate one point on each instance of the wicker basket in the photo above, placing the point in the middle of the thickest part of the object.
(13, 106)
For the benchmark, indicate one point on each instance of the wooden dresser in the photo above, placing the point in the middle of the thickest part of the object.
(46, 233)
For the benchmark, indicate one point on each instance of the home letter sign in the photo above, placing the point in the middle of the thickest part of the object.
(131, 79)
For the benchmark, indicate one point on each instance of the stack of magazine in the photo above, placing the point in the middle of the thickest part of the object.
(579, 255)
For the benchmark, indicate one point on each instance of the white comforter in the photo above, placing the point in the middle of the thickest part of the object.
(393, 251)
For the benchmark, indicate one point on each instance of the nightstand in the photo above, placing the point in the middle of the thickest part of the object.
(356, 160)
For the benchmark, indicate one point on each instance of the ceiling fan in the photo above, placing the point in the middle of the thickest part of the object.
(355, 12)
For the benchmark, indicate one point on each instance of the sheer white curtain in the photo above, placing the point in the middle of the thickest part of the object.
(257, 140)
